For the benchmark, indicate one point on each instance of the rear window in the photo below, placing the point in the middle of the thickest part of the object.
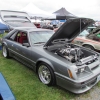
(20, 23)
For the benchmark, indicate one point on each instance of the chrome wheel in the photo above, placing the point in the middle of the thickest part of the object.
(44, 74)
(5, 51)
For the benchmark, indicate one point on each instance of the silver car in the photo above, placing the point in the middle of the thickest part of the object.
(53, 57)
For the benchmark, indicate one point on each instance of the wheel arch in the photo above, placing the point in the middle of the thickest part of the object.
(42, 60)
(88, 44)
(4, 43)
(5, 47)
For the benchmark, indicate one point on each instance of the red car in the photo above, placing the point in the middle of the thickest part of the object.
(37, 25)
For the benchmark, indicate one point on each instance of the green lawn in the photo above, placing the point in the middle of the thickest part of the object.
(1, 35)
(25, 84)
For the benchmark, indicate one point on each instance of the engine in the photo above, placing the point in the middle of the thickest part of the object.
(71, 53)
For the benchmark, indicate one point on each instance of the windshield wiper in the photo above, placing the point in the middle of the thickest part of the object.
(59, 41)
(26, 21)
(39, 42)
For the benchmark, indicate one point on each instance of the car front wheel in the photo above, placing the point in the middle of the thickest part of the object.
(46, 74)
(5, 51)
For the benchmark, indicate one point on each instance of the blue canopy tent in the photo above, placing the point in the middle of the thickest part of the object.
(3, 27)
(62, 20)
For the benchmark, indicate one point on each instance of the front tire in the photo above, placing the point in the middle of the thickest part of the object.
(5, 51)
(46, 74)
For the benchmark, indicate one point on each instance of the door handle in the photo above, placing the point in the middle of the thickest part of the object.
(17, 49)
(12, 45)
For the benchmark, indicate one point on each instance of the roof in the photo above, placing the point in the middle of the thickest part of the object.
(30, 29)
(64, 14)
(33, 10)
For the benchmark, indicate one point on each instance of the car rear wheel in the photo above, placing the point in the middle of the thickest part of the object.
(5, 51)
(46, 74)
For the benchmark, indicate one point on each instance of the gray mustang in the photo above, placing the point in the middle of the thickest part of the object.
(53, 57)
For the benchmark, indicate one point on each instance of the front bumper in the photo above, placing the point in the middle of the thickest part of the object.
(77, 87)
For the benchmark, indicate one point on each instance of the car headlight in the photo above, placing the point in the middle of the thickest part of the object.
(80, 70)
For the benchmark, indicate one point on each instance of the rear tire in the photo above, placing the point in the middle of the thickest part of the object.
(46, 74)
(5, 51)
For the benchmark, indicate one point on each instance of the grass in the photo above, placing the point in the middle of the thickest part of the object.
(1, 35)
(25, 84)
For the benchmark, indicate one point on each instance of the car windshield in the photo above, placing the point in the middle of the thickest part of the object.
(39, 37)
(84, 33)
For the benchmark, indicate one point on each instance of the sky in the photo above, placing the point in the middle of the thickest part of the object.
(81, 8)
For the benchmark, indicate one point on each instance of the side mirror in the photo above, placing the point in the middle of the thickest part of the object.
(26, 44)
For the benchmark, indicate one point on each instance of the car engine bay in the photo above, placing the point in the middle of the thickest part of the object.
(75, 54)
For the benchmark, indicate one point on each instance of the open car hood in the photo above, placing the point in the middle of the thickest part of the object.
(15, 19)
(69, 30)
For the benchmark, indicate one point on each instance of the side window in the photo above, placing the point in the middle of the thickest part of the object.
(12, 37)
(90, 36)
(21, 37)
(97, 36)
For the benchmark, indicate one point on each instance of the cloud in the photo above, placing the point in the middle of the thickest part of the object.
(83, 8)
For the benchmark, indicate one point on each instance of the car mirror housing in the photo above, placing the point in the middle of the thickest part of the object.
(26, 44)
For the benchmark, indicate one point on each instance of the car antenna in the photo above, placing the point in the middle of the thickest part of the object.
(80, 25)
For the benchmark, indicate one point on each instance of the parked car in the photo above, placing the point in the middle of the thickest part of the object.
(90, 29)
(88, 40)
(15, 19)
(37, 25)
(84, 33)
(53, 57)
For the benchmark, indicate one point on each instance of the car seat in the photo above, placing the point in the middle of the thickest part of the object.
(22, 38)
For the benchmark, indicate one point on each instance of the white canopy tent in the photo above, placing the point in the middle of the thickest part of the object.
(34, 11)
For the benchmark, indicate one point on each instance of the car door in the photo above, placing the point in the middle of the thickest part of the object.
(20, 52)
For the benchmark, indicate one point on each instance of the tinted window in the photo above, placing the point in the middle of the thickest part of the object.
(20, 23)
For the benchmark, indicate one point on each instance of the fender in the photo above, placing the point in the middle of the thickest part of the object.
(45, 61)
(4, 43)
(89, 44)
